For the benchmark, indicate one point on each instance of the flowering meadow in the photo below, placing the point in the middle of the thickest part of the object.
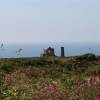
(49, 79)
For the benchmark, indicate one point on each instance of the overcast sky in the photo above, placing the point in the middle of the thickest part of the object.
(45, 21)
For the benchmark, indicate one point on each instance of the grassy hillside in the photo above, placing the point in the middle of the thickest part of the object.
(50, 78)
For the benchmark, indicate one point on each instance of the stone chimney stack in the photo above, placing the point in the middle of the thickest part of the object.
(62, 52)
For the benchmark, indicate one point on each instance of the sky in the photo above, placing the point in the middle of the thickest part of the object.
(48, 21)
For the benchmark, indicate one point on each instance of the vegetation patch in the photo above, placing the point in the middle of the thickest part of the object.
(51, 78)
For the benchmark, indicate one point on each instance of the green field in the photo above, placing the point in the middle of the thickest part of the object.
(50, 78)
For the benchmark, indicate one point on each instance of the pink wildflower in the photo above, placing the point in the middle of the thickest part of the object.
(37, 98)
(8, 80)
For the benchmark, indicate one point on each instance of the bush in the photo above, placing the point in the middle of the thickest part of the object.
(87, 57)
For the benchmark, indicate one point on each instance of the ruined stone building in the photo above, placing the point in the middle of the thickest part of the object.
(48, 52)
